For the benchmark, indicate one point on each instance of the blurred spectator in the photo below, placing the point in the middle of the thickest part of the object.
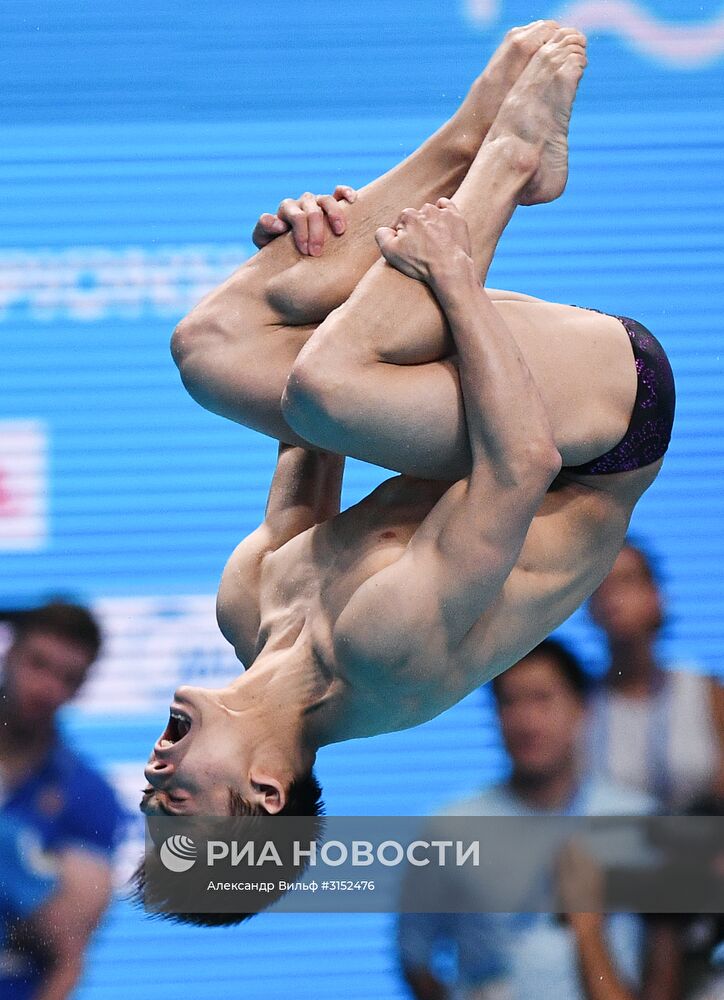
(703, 935)
(653, 725)
(48, 789)
(541, 704)
(29, 878)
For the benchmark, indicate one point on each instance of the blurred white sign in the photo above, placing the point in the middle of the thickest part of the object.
(93, 283)
(23, 484)
(153, 645)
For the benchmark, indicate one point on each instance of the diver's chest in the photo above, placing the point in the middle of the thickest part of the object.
(321, 569)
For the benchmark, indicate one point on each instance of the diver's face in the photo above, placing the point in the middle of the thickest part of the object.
(198, 757)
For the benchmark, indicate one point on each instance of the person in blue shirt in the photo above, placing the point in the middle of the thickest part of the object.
(47, 787)
(28, 882)
(541, 704)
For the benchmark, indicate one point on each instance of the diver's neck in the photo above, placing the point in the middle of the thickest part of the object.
(296, 692)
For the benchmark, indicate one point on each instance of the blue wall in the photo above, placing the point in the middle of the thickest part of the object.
(139, 143)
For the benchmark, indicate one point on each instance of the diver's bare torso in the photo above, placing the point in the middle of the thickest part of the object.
(306, 584)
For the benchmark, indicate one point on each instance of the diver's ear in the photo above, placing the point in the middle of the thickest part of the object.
(267, 792)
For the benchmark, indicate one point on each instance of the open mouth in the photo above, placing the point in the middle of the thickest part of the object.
(179, 724)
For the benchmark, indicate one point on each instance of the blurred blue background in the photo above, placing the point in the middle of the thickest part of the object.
(139, 142)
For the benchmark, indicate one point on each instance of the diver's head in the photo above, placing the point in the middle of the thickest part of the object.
(219, 756)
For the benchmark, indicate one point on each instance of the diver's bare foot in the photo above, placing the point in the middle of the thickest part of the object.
(538, 110)
(512, 56)
(488, 92)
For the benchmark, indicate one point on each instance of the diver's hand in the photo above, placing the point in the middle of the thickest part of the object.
(425, 244)
(305, 217)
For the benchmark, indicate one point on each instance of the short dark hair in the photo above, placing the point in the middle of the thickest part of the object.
(68, 621)
(304, 798)
(567, 663)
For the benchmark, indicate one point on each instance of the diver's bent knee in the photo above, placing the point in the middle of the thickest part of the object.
(198, 348)
(301, 402)
(185, 340)
(306, 402)
(199, 337)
